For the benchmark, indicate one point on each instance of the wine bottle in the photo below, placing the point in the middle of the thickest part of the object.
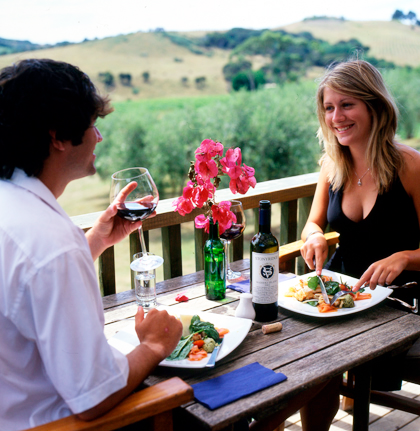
(264, 267)
(214, 264)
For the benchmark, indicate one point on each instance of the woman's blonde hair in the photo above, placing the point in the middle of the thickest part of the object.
(361, 80)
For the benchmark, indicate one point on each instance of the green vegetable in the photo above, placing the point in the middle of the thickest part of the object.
(313, 282)
(347, 301)
(182, 349)
(332, 287)
(312, 303)
(198, 326)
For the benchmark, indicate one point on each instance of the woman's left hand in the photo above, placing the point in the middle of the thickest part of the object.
(383, 271)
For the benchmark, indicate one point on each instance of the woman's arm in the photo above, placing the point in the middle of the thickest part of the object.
(315, 244)
(386, 270)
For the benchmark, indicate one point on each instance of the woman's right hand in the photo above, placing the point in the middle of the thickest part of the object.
(315, 249)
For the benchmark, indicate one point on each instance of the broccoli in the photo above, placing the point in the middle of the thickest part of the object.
(347, 301)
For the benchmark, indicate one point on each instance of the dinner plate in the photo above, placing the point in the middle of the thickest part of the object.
(126, 339)
(292, 304)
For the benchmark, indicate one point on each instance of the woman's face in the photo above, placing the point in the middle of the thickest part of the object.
(347, 117)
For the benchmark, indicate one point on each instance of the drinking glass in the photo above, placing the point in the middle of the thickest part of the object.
(138, 205)
(235, 231)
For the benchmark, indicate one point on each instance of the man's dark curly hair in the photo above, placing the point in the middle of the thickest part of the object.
(37, 97)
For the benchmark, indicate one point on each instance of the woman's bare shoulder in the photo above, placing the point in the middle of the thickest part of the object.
(410, 169)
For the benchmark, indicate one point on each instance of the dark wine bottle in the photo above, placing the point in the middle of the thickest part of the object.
(264, 267)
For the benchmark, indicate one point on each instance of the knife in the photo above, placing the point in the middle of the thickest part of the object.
(212, 361)
(323, 290)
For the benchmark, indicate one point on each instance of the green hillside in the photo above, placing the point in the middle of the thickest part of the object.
(389, 40)
(173, 69)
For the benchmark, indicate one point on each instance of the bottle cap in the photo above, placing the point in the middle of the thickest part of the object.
(265, 204)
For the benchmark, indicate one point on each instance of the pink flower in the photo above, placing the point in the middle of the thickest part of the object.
(208, 149)
(183, 206)
(232, 158)
(200, 196)
(207, 169)
(201, 221)
(221, 213)
(188, 190)
(241, 184)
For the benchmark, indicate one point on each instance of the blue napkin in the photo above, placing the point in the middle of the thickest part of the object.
(237, 384)
(243, 286)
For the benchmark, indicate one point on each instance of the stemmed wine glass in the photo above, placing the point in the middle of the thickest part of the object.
(138, 205)
(235, 231)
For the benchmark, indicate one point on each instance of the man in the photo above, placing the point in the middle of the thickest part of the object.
(54, 358)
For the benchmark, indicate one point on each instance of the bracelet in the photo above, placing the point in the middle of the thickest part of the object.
(312, 232)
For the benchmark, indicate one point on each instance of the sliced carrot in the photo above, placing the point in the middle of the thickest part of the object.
(360, 296)
(222, 332)
(326, 308)
(199, 343)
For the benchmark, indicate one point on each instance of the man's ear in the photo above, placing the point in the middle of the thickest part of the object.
(57, 144)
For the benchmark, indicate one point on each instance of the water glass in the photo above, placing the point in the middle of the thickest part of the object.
(144, 282)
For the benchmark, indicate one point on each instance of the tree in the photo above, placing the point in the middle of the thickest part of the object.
(146, 77)
(398, 15)
(125, 79)
(200, 82)
(250, 80)
(107, 78)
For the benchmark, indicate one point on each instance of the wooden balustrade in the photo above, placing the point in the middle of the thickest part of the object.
(295, 195)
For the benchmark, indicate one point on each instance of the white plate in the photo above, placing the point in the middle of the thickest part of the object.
(292, 304)
(126, 339)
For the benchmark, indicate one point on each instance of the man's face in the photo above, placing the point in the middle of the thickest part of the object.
(82, 156)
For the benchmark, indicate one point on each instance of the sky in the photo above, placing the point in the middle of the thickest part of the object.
(53, 21)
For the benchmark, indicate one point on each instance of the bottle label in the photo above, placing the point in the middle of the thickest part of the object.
(265, 277)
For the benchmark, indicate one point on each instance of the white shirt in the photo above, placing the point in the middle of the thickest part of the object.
(54, 358)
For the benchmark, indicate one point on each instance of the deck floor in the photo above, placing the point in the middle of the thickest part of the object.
(380, 419)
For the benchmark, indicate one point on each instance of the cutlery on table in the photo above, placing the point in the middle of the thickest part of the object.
(323, 290)
(212, 361)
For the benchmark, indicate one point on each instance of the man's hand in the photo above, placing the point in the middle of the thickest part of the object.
(109, 228)
(159, 331)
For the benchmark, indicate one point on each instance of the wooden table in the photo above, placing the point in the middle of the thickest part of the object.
(308, 350)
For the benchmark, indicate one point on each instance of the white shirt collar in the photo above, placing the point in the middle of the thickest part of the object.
(38, 188)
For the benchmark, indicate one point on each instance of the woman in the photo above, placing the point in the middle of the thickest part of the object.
(368, 187)
(367, 190)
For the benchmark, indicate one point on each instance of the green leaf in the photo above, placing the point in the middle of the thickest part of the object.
(312, 303)
(182, 349)
(313, 282)
(332, 287)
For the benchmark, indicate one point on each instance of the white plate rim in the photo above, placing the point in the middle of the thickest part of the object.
(378, 295)
(125, 340)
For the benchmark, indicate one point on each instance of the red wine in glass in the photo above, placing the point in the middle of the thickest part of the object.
(235, 231)
(135, 211)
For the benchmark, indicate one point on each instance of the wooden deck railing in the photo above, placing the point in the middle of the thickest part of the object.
(295, 195)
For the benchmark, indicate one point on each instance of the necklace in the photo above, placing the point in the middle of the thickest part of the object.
(359, 183)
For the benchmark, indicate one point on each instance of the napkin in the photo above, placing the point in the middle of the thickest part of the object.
(243, 286)
(237, 384)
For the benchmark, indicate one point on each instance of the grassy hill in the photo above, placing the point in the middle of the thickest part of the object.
(137, 53)
(389, 40)
(167, 63)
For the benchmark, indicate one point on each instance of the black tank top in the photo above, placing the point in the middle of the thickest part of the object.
(391, 226)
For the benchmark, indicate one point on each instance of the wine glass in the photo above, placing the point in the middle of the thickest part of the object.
(235, 231)
(138, 205)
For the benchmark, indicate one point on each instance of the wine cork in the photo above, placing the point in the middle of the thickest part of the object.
(272, 327)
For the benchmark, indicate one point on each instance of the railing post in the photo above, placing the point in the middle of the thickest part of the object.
(200, 238)
(288, 228)
(304, 208)
(106, 269)
(172, 254)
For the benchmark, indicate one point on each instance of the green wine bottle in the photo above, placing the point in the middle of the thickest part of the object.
(214, 264)
(264, 268)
